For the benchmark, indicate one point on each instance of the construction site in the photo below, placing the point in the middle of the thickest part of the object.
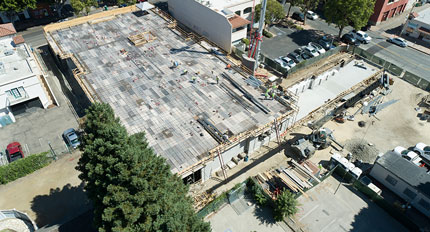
(200, 108)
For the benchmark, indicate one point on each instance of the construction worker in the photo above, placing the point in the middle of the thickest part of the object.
(175, 64)
(217, 79)
(267, 93)
(184, 72)
(194, 79)
(273, 95)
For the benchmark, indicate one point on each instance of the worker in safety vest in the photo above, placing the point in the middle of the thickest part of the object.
(194, 79)
(267, 93)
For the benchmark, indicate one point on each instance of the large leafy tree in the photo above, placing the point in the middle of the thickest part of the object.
(81, 5)
(293, 3)
(285, 205)
(307, 5)
(132, 188)
(128, 2)
(12, 7)
(348, 12)
(274, 12)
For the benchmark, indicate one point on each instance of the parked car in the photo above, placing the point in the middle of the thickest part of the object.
(14, 152)
(423, 149)
(299, 16)
(349, 39)
(311, 15)
(282, 63)
(398, 41)
(361, 36)
(302, 53)
(295, 56)
(317, 47)
(289, 61)
(71, 138)
(326, 43)
(311, 51)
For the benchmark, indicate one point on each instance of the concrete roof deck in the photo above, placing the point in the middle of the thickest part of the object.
(148, 95)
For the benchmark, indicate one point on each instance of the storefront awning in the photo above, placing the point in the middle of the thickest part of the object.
(237, 21)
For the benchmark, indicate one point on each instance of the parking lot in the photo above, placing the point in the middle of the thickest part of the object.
(244, 217)
(36, 127)
(327, 210)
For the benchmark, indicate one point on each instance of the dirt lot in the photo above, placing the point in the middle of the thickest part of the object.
(396, 125)
(48, 195)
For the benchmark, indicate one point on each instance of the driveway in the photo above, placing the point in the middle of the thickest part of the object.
(343, 210)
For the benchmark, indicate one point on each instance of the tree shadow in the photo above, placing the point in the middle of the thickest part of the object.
(60, 205)
(303, 37)
(264, 215)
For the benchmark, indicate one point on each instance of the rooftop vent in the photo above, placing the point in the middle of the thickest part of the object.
(8, 52)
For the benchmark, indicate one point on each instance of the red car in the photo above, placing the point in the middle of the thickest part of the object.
(14, 152)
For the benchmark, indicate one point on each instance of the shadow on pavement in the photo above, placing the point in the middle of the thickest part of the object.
(264, 215)
(303, 37)
(60, 205)
(52, 66)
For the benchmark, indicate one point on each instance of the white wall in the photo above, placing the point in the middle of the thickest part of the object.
(32, 87)
(238, 35)
(305, 84)
(241, 7)
(380, 174)
(204, 21)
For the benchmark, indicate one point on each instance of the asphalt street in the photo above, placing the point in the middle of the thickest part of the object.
(287, 40)
(34, 36)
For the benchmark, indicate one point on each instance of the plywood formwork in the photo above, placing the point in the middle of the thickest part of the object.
(149, 95)
(142, 38)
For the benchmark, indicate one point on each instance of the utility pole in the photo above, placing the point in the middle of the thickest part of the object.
(260, 32)
(52, 151)
(406, 20)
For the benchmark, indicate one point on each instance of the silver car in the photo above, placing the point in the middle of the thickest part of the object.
(398, 41)
(289, 61)
(311, 51)
(317, 47)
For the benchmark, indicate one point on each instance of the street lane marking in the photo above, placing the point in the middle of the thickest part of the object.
(310, 211)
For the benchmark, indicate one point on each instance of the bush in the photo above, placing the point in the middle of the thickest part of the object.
(23, 167)
(245, 41)
(259, 196)
(298, 27)
(285, 205)
(267, 34)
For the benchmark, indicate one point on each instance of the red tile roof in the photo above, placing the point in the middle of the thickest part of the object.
(18, 39)
(237, 21)
(7, 29)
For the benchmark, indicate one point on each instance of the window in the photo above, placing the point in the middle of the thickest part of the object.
(238, 29)
(237, 12)
(391, 180)
(409, 193)
(247, 10)
(390, 1)
(16, 93)
(424, 204)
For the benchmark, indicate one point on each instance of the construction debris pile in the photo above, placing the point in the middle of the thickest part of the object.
(362, 150)
(297, 178)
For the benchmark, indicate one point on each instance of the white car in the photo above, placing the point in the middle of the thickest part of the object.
(317, 47)
(311, 51)
(288, 60)
(422, 149)
(311, 15)
(361, 36)
(282, 63)
(398, 41)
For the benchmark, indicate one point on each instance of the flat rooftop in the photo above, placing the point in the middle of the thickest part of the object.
(148, 95)
(424, 16)
(15, 62)
(222, 4)
(342, 80)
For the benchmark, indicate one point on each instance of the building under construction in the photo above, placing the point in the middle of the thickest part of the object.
(198, 110)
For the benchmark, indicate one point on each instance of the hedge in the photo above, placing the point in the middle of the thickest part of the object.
(23, 167)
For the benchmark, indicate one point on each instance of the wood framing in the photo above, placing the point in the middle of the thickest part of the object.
(142, 38)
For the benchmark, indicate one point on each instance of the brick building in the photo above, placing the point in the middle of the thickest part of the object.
(385, 9)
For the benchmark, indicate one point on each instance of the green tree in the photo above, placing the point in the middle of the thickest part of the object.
(81, 5)
(274, 12)
(12, 7)
(285, 205)
(293, 3)
(348, 12)
(132, 189)
(128, 2)
(307, 5)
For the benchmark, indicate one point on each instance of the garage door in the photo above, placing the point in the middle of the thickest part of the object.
(26, 107)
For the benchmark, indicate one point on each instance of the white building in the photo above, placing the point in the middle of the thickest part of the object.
(419, 26)
(224, 22)
(404, 178)
(20, 76)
